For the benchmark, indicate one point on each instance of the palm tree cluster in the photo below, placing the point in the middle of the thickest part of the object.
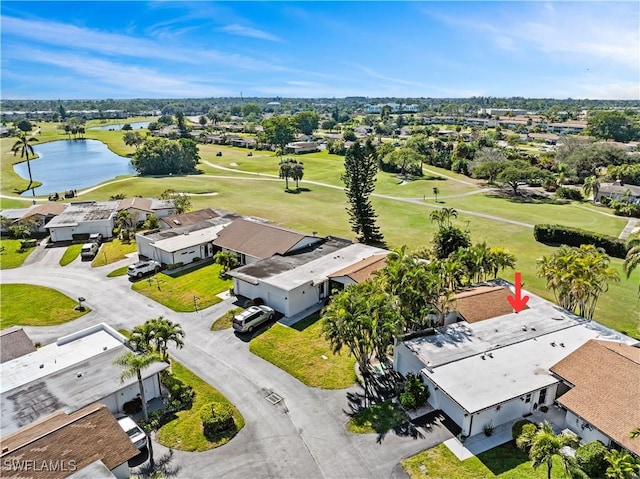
(543, 445)
(290, 168)
(577, 276)
(155, 335)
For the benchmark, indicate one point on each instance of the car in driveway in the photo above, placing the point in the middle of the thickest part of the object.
(252, 317)
(89, 250)
(139, 269)
(136, 434)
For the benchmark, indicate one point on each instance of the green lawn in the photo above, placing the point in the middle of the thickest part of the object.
(178, 292)
(185, 431)
(113, 251)
(11, 255)
(504, 462)
(118, 272)
(71, 253)
(378, 418)
(224, 322)
(29, 305)
(300, 350)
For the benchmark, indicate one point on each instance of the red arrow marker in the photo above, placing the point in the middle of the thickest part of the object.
(518, 302)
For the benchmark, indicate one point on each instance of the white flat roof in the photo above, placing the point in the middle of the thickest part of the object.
(193, 238)
(319, 269)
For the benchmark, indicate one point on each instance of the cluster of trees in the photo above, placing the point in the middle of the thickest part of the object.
(161, 156)
(290, 168)
(614, 125)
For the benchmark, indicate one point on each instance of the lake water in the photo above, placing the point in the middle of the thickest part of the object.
(72, 165)
(136, 125)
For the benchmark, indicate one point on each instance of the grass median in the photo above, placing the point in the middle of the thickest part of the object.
(301, 351)
(113, 251)
(11, 255)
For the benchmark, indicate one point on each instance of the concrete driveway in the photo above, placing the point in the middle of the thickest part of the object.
(304, 435)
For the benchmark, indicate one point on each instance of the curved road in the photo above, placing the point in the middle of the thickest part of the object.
(302, 436)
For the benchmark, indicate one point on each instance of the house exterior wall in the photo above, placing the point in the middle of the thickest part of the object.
(439, 400)
(288, 303)
(115, 401)
(303, 243)
(404, 361)
(581, 428)
(145, 246)
(302, 298)
(121, 471)
(65, 233)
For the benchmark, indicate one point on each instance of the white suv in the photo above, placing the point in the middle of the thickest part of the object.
(89, 250)
(135, 433)
(137, 270)
(252, 317)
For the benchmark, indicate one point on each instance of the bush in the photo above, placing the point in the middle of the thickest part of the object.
(415, 393)
(569, 193)
(180, 394)
(488, 429)
(516, 429)
(591, 458)
(216, 418)
(575, 237)
(132, 407)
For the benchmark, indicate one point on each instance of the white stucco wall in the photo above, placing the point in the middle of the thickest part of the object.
(145, 248)
(65, 233)
(574, 423)
(121, 471)
(404, 361)
(116, 401)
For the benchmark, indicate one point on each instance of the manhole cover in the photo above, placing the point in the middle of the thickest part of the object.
(273, 398)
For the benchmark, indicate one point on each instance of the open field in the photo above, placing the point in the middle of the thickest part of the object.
(29, 305)
(323, 209)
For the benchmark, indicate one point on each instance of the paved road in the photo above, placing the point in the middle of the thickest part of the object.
(302, 436)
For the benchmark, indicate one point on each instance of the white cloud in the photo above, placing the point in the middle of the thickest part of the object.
(249, 32)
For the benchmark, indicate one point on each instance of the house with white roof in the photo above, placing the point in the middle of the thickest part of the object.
(75, 371)
(292, 283)
(497, 367)
(82, 219)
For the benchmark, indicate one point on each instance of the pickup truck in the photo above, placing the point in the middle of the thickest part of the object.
(139, 269)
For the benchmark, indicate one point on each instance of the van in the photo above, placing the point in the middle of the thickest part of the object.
(251, 318)
(89, 250)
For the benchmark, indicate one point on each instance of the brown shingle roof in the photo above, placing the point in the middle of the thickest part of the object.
(259, 240)
(191, 218)
(363, 269)
(14, 343)
(46, 209)
(483, 302)
(70, 440)
(606, 379)
(142, 204)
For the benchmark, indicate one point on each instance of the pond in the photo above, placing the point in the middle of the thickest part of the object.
(136, 125)
(72, 165)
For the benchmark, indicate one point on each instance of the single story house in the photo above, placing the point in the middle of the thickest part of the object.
(86, 443)
(619, 191)
(253, 240)
(14, 343)
(142, 208)
(603, 378)
(243, 142)
(75, 371)
(186, 219)
(359, 271)
(82, 219)
(497, 369)
(291, 283)
(41, 214)
(299, 147)
(180, 245)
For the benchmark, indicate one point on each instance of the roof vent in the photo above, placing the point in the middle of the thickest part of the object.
(104, 348)
(553, 343)
(533, 328)
(562, 345)
(490, 355)
(42, 366)
(483, 357)
(524, 328)
(5, 449)
(177, 222)
(79, 375)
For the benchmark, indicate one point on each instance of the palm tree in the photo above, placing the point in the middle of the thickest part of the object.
(443, 217)
(23, 145)
(297, 171)
(632, 259)
(227, 259)
(621, 465)
(165, 332)
(436, 190)
(544, 444)
(285, 171)
(501, 259)
(591, 185)
(133, 364)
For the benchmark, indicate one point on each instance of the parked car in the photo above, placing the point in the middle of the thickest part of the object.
(139, 269)
(135, 433)
(89, 250)
(252, 317)
(95, 238)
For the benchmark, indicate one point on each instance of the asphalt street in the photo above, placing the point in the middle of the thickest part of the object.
(303, 436)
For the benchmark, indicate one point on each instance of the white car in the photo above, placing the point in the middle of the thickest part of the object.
(137, 270)
(89, 250)
(136, 434)
(252, 317)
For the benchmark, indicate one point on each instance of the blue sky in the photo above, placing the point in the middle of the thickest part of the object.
(164, 49)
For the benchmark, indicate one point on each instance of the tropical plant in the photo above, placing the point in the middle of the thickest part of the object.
(632, 259)
(297, 171)
(591, 185)
(448, 240)
(24, 146)
(155, 335)
(284, 171)
(227, 259)
(436, 191)
(443, 216)
(577, 277)
(181, 201)
(591, 458)
(544, 444)
(133, 364)
(622, 465)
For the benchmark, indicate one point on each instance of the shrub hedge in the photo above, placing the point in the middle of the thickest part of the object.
(545, 233)
(569, 193)
(591, 458)
(216, 418)
(516, 429)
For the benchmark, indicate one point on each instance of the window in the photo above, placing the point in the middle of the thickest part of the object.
(528, 398)
(543, 396)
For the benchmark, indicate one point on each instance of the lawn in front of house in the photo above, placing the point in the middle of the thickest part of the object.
(225, 321)
(301, 351)
(118, 272)
(113, 251)
(178, 291)
(11, 256)
(377, 418)
(29, 305)
(70, 254)
(185, 431)
(504, 462)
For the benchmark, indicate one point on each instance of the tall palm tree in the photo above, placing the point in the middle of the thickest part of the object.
(284, 171)
(133, 365)
(632, 259)
(591, 185)
(23, 145)
(544, 444)
(621, 465)
(166, 331)
(436, 190)
(297, 171)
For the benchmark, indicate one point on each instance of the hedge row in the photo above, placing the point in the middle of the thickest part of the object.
(559, 234)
